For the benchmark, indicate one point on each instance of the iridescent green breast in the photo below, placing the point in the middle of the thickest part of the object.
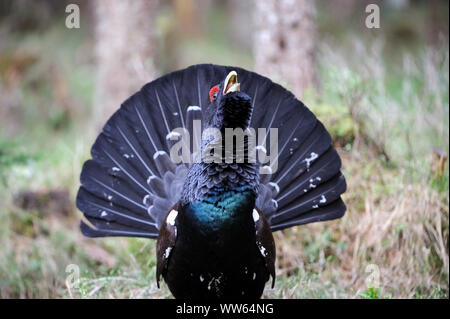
(222, 209)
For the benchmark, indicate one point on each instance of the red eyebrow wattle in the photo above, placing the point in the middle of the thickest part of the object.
(212, 91)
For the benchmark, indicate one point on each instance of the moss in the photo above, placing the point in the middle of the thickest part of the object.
(337, 120)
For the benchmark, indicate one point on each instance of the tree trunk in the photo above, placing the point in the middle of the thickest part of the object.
(284, 42)
(126, 50)
(240, 27)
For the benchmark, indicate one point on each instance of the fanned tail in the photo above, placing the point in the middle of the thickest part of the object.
(130, 184)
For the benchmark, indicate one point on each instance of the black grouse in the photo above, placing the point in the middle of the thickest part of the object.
(162, 168)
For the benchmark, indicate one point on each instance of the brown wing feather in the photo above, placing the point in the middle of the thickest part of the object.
(165, 243)
(266, 243)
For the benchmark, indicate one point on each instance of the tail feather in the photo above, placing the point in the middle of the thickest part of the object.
(100, 209)
(295, 162)
(325, 193)
(121, 168)
(332, 211)
(112, 230)
(105, 185)
(327, 166)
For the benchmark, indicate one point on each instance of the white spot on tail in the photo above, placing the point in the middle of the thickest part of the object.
(261, 148)
(172, 135)
(104, 214)
(194, 108)
(149, 211)
(116, 169)
(323, 199)
(274, 202)
(275, 185)
(315, 206)
(171, 217)
(254, 275)
(265, 170)
(146, 198)
(150, 178)
(308, 160)
(158, 153)
(201, 278)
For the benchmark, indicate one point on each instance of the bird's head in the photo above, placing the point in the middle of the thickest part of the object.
(229, 107)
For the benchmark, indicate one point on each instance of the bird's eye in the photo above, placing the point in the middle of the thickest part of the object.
(213, 93)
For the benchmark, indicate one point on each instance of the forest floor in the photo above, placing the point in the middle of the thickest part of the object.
(386, 119)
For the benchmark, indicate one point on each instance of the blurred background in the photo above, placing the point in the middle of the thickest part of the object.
(383, 93)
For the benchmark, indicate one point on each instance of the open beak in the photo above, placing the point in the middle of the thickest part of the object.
(231, 84)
